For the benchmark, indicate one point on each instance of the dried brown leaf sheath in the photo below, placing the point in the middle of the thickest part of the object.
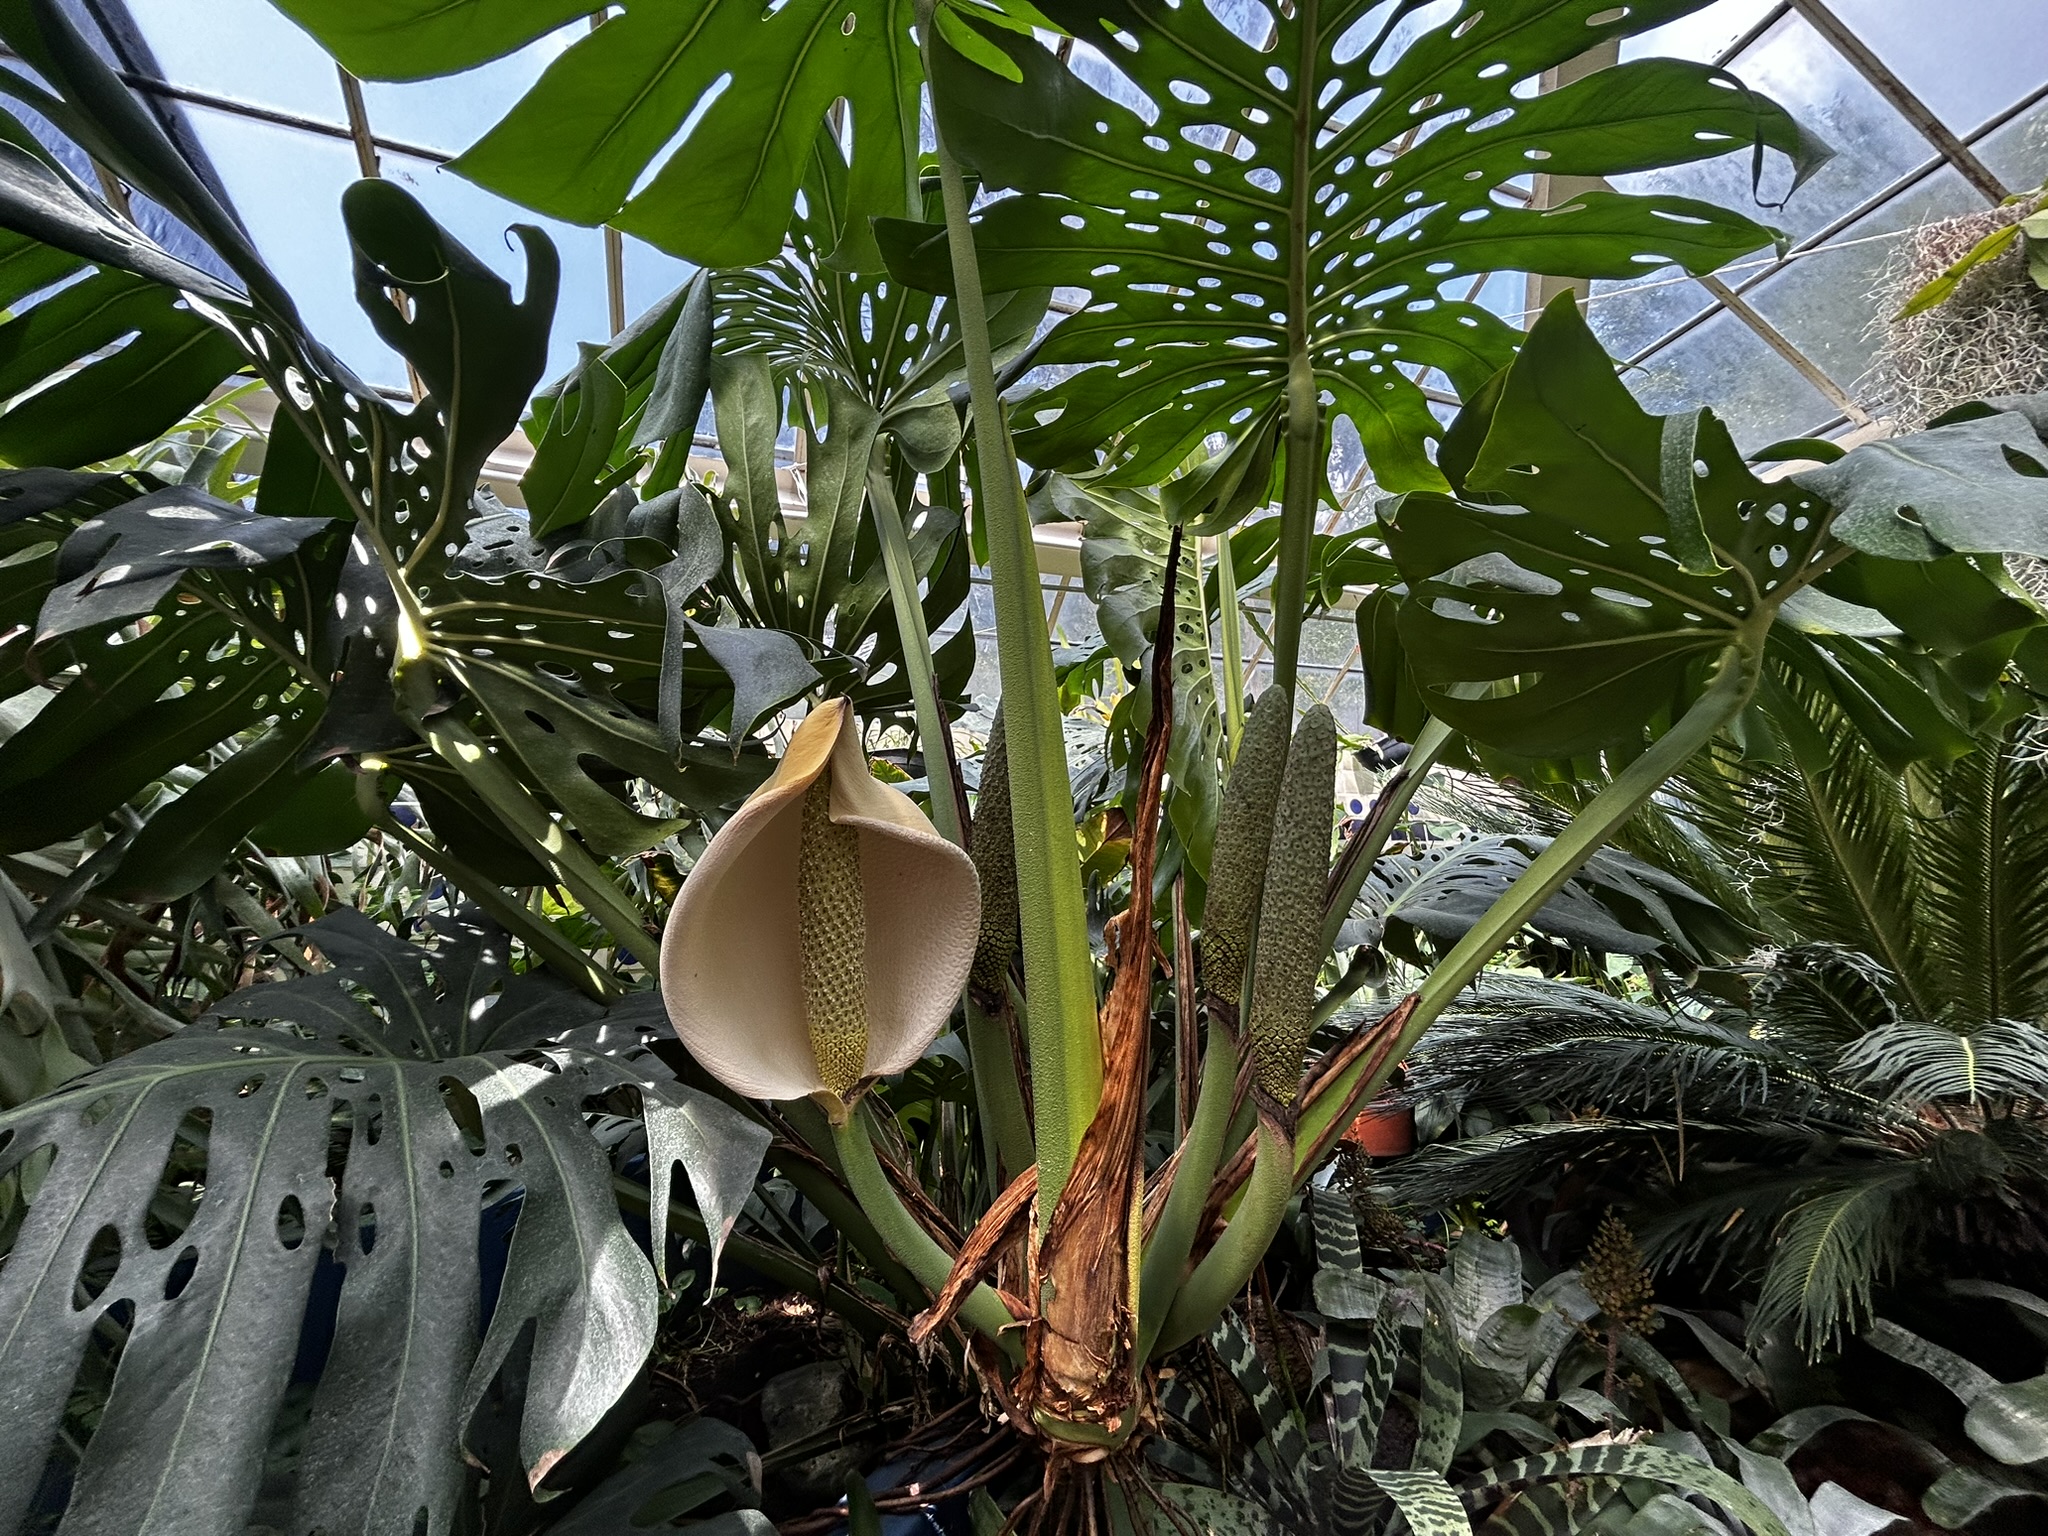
(732, 960)
(1079, 1352)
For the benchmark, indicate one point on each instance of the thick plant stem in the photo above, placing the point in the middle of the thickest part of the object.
(1233, 649)
(916, 1248)
(1307, 471)
(1166, 1256)
(568, 962)
(1364, 850)
(1227, 1267)
(1735, 679)
(1300, 493)
(915, 637)
(999, 1101)
(1059, 967)
(1005, 1132)
(816, 1184)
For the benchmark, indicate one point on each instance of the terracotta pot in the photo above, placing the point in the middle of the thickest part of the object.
(1384, 1128)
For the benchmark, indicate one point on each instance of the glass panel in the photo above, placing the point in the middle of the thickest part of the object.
(1823, 303)
(480, 220)
(214, 45)
(651, 276)
(2018, 153)
(452, 114)
(1628, 317)
(296, 222)
(1796, 67)
(1726, 365)
(1704, 35)
(1967, 62)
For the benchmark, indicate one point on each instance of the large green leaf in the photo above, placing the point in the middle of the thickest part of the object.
(556, 652)
(102, 366)
(1125, 539)
(1310, 182)
(1977, 485)
(1597, 559)
(310, 1120)
(579, 145)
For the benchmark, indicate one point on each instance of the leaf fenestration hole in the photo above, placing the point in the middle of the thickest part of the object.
(96, 1271)
(181, 1273)
(181, 1185)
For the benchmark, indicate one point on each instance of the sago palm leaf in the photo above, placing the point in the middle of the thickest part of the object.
(1922, 1063)
(1832, 1251)
(1980, 848)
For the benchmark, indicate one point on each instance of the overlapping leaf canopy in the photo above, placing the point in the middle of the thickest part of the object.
(1314, 180)
(580, 144)
(1598, 559)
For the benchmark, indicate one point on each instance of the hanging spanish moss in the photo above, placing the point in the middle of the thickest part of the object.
(1989, 338)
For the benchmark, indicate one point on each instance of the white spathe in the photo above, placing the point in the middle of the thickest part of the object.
(731, 969)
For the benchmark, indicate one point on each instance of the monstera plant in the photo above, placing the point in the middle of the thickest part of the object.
(185, 1237)
(1256, 216)
(1260, 215)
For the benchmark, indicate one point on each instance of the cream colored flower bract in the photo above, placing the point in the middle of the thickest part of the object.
(743, 987)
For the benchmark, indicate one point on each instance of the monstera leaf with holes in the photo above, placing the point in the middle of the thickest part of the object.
(1596, 565)
(367, 592)
(1310, 192)
(315, 1160)
(727, 98)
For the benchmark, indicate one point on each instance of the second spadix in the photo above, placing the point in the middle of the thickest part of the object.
(824, 936)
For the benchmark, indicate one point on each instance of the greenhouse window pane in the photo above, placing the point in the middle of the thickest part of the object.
(1797, 67)
(1726, 365)
(1704, 35)
(1628, 317)
(287, 187)
(244, 50)
(452, 114)
(1823, 303)
(2018, 152)
(651, 276)
(1967, 62)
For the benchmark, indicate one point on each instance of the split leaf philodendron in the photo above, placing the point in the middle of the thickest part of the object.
(1263, 222)
(823, 938)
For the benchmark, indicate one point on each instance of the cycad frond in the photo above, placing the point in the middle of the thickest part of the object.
(1980, 845)
(1815, 999)
(1523, 1042)
(1487, 1166)
(1922, 1063)
(1832, 1251)
(1830, 828)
